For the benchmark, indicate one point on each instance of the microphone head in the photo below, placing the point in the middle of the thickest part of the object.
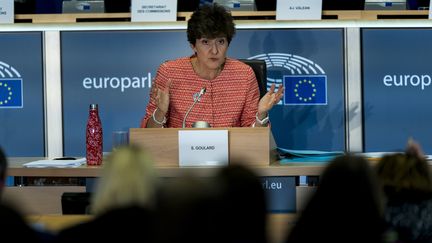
(203, 90)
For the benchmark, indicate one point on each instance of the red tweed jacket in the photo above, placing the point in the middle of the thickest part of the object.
(231, 99)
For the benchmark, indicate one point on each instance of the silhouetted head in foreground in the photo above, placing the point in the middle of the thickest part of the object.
(346, 207)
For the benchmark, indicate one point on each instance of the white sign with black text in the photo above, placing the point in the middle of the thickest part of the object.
(203, 147)
(153, 10)
(298, 9)
(7, 11)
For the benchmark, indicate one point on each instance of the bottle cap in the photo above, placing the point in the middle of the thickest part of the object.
(93, 106)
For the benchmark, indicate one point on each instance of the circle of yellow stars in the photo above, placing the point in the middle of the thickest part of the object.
(305, 82)
(9, 93)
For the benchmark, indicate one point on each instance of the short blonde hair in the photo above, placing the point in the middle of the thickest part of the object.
(128, 179)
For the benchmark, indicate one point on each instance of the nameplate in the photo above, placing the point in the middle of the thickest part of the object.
(430, 10)
(299, 10)
(6, 12)
(203, 147)
(153, 10)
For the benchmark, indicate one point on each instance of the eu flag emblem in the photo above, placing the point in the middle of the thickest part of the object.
(305, 89)
(11, 93)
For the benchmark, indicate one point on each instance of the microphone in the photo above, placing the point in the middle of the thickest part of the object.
(196, 97)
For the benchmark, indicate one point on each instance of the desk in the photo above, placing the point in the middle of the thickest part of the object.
(275, 169)
(279, 182)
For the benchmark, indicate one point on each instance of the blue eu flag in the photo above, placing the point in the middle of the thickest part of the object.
(11, 94)
(305, 89)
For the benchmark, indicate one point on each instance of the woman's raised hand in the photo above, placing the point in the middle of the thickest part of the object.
(269, 100)
(161, 96)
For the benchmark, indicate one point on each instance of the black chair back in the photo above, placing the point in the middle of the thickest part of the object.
(343, 4)
(260, 69)
(187, 5)
(265, 5)
(117, 6)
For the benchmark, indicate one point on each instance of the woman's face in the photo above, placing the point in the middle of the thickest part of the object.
(211, 53)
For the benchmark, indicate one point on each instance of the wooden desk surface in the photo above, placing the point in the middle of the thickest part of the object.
(293, 169)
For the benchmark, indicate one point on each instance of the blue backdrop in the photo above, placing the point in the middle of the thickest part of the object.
(96, 64)
(312, 126)
(396, 88)
(109, 59)
(21, 94)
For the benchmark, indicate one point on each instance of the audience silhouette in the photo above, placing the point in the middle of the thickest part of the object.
(407, 183)
(346, 207)
(12, 223)
(244, 203)
(229, 207)
(123, 203)
(189, 211)
(351, 203)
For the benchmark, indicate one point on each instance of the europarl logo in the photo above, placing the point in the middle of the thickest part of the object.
(11, 87)
(305, 82)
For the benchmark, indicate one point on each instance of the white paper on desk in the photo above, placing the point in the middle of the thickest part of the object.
(55, 163)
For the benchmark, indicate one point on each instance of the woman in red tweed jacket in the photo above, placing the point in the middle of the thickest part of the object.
(225, 90)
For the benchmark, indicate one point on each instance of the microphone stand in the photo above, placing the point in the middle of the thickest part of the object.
(198, 98)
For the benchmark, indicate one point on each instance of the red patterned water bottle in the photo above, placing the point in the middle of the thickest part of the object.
(94, 139)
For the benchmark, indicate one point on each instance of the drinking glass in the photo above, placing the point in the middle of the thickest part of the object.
(120, 138)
